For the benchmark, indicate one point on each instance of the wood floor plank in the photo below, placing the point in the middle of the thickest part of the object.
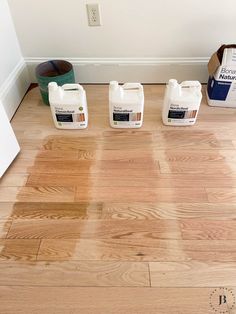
(192, 156)
(32, 144)
(234, 143)
(6, 210)
(13, 180)
(34, 300)
(19, 249)
(158, 143)
(219, 168)
(124, 211)
(52, 210)
(134, 163)
(217, 195)
(192, 274)
(71, 167)
(127, 140)
(211, 229)
(114, 140)
(20, 167)
(157, 180)
(137, 250)
(97, 179)
(48, 155)
(165, 154)
(5, 225)
(25, 153)
(9, 194)
(75, 274)
(176, 211)
(115, 155)
(93, 229)
(192, 139)
(135, 194)
(37, 194)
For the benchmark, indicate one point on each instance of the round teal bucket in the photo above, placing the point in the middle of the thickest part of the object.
(58, 71)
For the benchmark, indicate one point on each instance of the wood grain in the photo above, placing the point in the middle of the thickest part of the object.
(192, 274)
(219, 168)
(74, 274)
(14, 180)
(217, 195)
(117, 211)
(36, 194)
(137, 250)
(18, 250)
(6, 210)
(5, 225)
(176, 211)
(118, 140)
(57, 210)
(201, 229)
(136, 194)
(87, 167)
(48, 155)
(142, 179)
(191, 139)
(85, 212)
(97, 229)
(192, 156)
(139, 300)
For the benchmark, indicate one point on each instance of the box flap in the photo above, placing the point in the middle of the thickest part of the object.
(220, 51)
(213, 64)
(216, 58)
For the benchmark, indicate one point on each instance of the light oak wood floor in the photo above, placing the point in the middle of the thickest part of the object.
(119, 221)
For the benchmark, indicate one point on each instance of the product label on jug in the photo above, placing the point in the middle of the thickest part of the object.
(180, 114)
(126, 117)
(72, 117)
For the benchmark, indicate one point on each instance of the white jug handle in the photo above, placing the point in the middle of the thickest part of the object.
(72, 87)
(133, 86)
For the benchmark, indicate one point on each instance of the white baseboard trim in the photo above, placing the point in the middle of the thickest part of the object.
(145, 70)
(104, 70)
(14, 88)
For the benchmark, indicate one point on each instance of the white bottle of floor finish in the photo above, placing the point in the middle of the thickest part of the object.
(181, 103)
(126, 105)
(68, 106)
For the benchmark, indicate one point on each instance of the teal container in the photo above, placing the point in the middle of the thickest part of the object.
(58, 71)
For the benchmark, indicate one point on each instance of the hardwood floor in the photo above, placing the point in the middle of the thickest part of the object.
(119, 221)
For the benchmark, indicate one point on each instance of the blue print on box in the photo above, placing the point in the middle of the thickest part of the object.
(218, 90)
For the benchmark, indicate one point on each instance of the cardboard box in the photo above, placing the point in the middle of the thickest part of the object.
(221, 88)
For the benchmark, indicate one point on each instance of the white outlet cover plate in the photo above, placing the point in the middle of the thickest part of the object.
(94, 16)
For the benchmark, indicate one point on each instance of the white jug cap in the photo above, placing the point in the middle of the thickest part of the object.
(52, 86)
(173, 82)
(114, 84)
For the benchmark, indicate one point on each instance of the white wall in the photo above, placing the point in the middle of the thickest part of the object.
(12, 64)
(10, 53)
(149, 31)
(131, 28)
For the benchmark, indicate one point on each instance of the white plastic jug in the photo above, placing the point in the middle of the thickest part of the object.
(181, 103)
(126, 105)
(68, 105)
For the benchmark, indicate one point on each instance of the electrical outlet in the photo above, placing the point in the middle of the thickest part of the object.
(94, 16)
